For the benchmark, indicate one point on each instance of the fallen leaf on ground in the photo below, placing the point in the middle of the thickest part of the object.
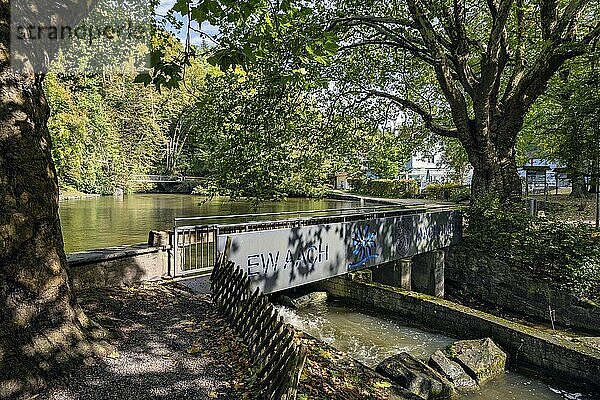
(382, 385)
(114, 354)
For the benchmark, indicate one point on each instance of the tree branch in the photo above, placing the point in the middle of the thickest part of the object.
(592, 35)
(367, 18)
(454, 96)
(527, 87)
(427, 118)
(490, 63)
(548, 17)
(565, 24)
(420, 53)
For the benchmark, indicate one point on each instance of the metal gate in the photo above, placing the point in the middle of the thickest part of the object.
(194, 249)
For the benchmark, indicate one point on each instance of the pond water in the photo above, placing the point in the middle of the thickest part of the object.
(112, 221)
(371, 338)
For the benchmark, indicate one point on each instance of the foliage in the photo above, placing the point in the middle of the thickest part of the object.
(447, 191)
(455, 157)
(564, 124)
(105, 129)
(466, 70)
(386, 188)
(207, 188)
(248, 136)
(253, 139)
(85, 143)
(567, 254)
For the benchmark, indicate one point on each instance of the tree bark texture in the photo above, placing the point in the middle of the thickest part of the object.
(42, 329)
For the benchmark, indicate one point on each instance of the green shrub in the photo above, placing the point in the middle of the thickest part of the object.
(208, 188)
(567, 254)
(447, 191)
(387, 188)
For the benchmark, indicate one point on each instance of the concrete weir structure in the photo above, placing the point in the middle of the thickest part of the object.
(563, 358)
(118, 266)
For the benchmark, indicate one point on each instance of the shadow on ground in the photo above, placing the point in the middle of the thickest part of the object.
(170, 345)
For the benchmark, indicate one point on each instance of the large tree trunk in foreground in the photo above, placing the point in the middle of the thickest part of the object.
(42, 329)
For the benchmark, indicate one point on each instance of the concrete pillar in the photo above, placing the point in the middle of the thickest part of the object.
(428, 273)
(395, 273)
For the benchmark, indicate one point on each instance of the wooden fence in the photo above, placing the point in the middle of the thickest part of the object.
(275, 354)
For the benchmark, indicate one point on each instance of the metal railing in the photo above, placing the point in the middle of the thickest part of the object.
(194, 249)
(195, 238)
(164, 178)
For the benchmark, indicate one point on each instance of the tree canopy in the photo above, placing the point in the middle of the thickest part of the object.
(468, 70)
(564, 124)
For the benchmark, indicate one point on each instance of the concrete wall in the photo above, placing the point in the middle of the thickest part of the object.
(550, 355)
(492, 281)
(423, 273)
(117, 266)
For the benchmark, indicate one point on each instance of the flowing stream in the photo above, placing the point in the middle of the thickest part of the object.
(371, 338)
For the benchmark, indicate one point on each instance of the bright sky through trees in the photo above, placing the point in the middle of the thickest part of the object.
(195, 38)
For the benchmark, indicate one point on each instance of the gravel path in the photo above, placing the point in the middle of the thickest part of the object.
(170, 345)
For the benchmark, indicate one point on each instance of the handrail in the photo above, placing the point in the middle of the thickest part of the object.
(300, 212)
(306, 219)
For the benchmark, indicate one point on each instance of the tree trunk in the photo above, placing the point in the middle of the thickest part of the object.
(494, 171)
(42, 329)
(578, 187)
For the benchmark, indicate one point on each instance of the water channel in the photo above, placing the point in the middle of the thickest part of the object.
(112, 221)
(370, 338)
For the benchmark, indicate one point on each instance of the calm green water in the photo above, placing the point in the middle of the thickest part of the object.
(111, 221)
(372, 338)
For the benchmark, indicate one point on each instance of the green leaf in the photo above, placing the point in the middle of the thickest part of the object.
(382, 385)
(144, 78)
(181, 6)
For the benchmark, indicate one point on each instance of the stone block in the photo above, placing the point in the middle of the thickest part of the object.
(158, 239)
(362, 276)
(307, 300)
(481, 359)
(452, 371)
(416, 376)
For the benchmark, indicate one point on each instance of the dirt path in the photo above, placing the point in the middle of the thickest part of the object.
(170, 345)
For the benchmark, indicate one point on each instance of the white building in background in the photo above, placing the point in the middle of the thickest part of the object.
(342, 181)
(426, 168)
